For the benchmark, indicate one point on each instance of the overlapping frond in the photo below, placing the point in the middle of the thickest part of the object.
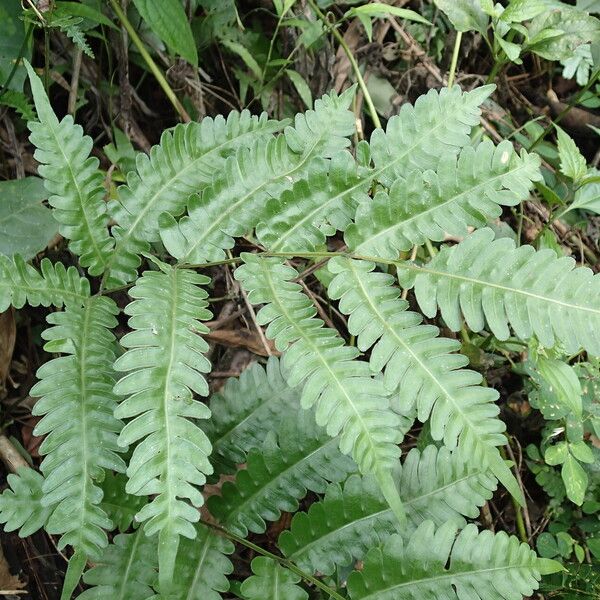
(201, 567)
(120, 506)
(126, 569)
(301, 458)
(245, 410)
(426, 205)
(320, 204)
(436, 485)
(165, 363)
(77, 404)
(185, 161)
(535, 292)
(439, 564)
(272, 581)
(73, 180)
(53, 285)
(21, 503)
(437, 125)
(427, 369)
(237, 200)
(349, 402)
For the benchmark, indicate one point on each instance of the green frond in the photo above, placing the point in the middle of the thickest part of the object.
(272, 581)
(55, 285)
(427, 369)
(318, 205)
(349, 402)
(20, 102)
(245, 410)
(126, 569)
(165, 363)
(120, 506)
(201, 567)
(77, 404)
(467, 191)
(186, 160)
(21, 504)
(535, 292)
(439, 124)
(301, 458)
(237, 200)
(72, 178)
(438, 564)
(323, 131)
(436, 484)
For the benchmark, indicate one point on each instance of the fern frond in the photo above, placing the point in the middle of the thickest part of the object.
(436, 484)
(427, 369)
(20, 283)
(437, 564)
(20, 102)
(77, 404)
(318, 205)
(463, 192)
(245, 410)
(21, 504)
(279, 474)
(165, 363)
(72, 178)
(201, 567)
(492, 281)
(126, 569)
(185, 161)
(437, 125)
(349, 402)
(237, 200)
(272, 581)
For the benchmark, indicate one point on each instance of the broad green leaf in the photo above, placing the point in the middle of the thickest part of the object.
(523, 10)
(379, 9)
(587, 197)
(245, 55)
(555, 35)
(582, 452)
(79, 9)
(575, 480)
(12, 36)
(556, 454)
(563, 383)
(572, 162)
(26, 225)
(301, 87)
(168, 21)
(465, 15)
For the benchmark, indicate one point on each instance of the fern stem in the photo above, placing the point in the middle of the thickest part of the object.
(361, 82)
(454, 58)
(288, 564)
(135, 38)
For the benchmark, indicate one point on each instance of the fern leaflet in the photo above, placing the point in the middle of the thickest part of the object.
(492, 281)
(272, 581)
(349, 402)
(164, 365)
(72, 178)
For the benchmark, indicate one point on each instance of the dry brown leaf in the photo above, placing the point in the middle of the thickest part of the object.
(9, 584)
(241, 338)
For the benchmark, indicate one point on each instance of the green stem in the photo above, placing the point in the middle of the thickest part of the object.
(135, 38)
(566, 110)
(454, 58)
(361, 82)
(283, 561)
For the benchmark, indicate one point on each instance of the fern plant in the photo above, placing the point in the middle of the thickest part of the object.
(132, 451)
